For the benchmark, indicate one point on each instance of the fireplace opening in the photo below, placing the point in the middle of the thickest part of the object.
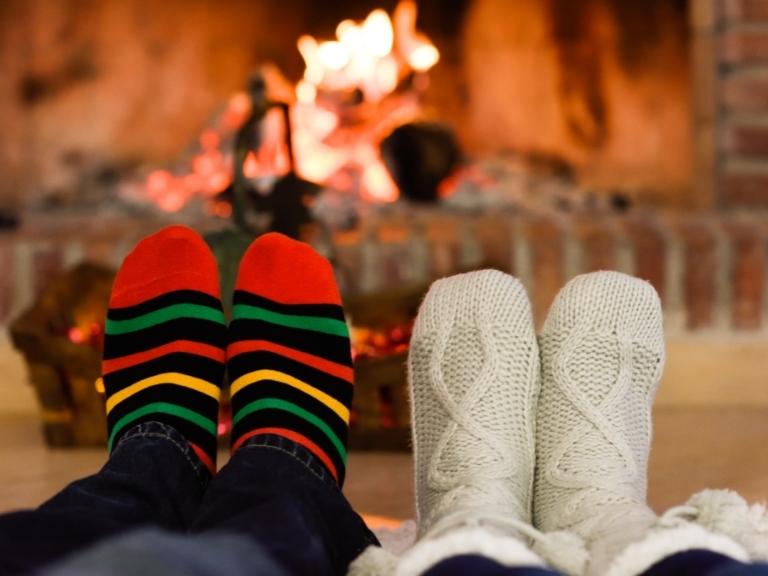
(99, 96)
(405, 140)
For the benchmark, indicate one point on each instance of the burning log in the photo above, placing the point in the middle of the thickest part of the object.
(419, 157)
(356, 89)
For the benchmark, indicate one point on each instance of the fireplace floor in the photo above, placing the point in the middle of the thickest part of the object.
(694, 448)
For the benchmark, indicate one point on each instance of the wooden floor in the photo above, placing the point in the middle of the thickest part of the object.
(692, 449)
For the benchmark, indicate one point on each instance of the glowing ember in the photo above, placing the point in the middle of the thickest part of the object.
(356, 88)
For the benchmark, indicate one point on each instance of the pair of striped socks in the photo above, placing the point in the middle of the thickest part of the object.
(286, 350)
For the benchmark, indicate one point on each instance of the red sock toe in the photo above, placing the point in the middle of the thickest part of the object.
(287, 271)
(289, 360)
(173, 258)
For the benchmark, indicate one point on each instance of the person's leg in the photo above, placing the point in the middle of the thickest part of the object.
(277, 493)
(602, 351)
(163, 365)
(153, 552)
(289, 364)
(704, 563)
(483, 566)
(473, 370)
(152, 477)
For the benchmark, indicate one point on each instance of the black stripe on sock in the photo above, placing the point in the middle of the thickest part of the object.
(328, 346)
(167, 299)
(118, 345)
(190, 364)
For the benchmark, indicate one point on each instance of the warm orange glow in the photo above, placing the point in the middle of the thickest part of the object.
(305, 92)
(210, 140)
(379, 186)
(238, 108)
(351, 95)
(378, 33)
(372, 56)
(416, 48)
(251, 165)
(333, 55)
(423, 57)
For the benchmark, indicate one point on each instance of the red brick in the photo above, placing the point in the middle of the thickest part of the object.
(394, 263)
(494, 234)
(745, 10)
(649, 252)
(598, 246)
(393, 259)
(744, 47)
(744, 187)
(47, 264)
(545, 239)
(444, 248)
(699, 274)
(746, 139)
(745, 92)
(347, 260)
(747, 276)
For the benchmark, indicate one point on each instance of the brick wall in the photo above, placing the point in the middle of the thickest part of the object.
(730, 71)
(710, 271)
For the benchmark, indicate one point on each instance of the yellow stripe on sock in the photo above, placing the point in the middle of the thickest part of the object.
(175, 378)
(283, 378)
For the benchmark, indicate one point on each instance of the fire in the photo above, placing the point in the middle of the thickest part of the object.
(372, 57)
(353, 92)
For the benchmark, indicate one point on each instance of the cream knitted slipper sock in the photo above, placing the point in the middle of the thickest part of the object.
(473, 370)
(602, 350)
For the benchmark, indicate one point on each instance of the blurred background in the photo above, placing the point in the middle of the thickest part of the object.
(405, 141)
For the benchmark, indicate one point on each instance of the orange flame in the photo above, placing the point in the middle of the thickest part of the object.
(373, 57)
(335, 141)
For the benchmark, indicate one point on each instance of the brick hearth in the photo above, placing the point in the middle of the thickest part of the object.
(710, 270)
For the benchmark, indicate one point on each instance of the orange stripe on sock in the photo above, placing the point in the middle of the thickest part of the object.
(332, 368)
(188, 346)
(296, 437)
(204, 458)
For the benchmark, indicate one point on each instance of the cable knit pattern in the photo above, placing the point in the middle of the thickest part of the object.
(602, 350)
(474, 377)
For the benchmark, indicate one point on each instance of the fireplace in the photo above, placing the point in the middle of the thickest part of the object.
(603, 134)
(99, 91)
(568, 111)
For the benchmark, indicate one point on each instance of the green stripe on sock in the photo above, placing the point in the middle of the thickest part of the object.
(276, 404)
(314, 323)
(172, 312)
(162, 408)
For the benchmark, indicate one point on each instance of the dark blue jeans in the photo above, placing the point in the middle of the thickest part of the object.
(689, 563)
(272, 494)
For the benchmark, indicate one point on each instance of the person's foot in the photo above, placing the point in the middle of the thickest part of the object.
(473, 369)
(164, 345)
(289, 357)
(602, 355)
